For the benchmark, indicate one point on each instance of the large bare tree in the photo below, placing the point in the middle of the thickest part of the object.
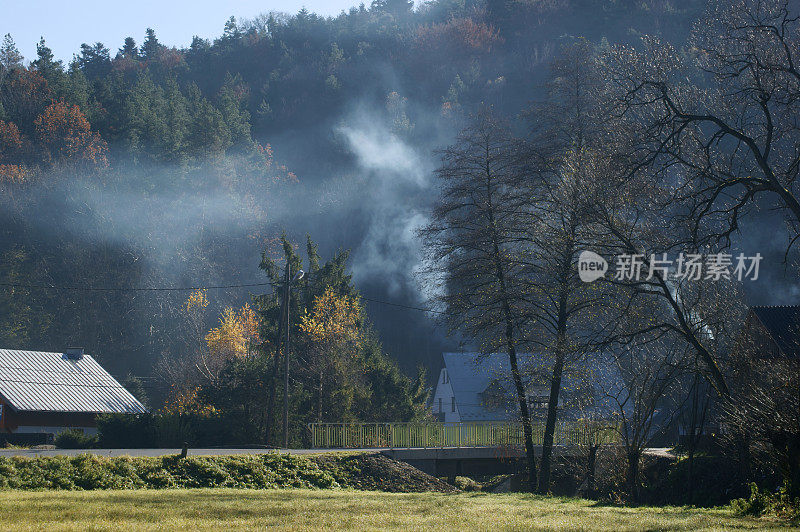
(477, 248)
(566, 129)
(719, 123)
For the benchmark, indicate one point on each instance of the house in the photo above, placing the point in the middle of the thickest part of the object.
(771, 333)
(46, 393)
(474, 387)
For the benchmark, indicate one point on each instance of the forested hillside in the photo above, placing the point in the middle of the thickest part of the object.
(142, 164)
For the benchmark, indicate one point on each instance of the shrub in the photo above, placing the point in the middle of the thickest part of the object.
(764, 503)
(144, 431)
(75, 439)
(91, 472)
(466, 484)
(126, 431)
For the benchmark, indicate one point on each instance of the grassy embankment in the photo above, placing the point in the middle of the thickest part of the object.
(292, 509)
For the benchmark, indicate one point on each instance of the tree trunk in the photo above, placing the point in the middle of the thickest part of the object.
(319, 398)
(558, 368)
(510, 340)
(527, 429)
(591, 466)
(271, 382)
(274, 374)
(550, 425)
(633, 474)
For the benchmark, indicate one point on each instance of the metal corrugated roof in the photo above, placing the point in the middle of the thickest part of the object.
(36, 381)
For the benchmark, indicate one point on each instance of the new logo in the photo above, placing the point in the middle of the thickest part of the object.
(591, 266)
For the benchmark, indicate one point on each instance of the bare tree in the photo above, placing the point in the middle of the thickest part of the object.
(476, 243)
(566, 130)
(720, 126)
(634, 214)
(643, 379)
(762, 419)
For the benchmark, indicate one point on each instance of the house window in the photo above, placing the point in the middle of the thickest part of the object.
(440, 405)
(538, 401)
(452, 404)
(444, 376)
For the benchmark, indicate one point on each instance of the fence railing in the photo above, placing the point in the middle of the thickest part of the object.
(478, 434)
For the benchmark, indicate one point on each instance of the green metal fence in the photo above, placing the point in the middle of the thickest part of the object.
(484, 434)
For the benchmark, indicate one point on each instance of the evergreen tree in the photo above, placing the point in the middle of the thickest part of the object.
(233, 106)
(129, 49)
(94, 60)
(52, 71)
(151, 48)
(9, 54)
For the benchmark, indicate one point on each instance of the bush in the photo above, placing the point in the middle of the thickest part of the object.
(466, 484)
(75, 439)
(764, 503)
(144, 431)
(90, 472)
(117, 431)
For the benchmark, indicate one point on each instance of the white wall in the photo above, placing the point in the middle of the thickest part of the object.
(35, 429)
(444, 394)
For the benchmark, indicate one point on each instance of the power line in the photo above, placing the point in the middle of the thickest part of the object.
(421, 309)
(129, 288)
(183, 289)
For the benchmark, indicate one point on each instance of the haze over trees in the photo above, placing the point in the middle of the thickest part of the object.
(644, 128)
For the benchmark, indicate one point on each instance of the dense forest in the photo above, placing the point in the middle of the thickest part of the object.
(140, 164)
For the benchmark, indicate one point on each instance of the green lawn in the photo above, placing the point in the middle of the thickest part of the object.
(217, 509)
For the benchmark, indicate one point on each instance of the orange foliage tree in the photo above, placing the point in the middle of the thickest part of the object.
(12, 173)
(12, 144)
(24, 96)
(65, 136)
(187, 402)
(456, 38)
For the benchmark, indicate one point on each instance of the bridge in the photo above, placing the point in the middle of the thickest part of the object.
(440, 449)
(450, 449)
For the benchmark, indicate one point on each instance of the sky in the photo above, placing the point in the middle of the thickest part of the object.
(65, 25)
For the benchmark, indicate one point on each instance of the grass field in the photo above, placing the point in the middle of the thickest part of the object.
(232, 509)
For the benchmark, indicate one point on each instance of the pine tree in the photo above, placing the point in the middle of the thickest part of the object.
(10, 58)
(52, 71)
(129, 49)
(95, 60)
(151, 48)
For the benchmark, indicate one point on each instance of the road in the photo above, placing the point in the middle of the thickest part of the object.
(163, 452)
(660, 452)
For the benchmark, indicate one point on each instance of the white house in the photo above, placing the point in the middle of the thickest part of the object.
(474, 387)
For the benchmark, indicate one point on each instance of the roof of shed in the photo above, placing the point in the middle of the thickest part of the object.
(783, 325)
(36, 381)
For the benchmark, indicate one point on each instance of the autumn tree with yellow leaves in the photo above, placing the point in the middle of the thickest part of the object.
(333, 334)
(236, 335)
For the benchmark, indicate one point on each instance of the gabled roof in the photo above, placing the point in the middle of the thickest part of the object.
(783, 325)
(35, 381)
(471, 374)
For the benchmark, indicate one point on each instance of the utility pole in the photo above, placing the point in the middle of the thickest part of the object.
(286, 298)
(286, 294)
(272, 380)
